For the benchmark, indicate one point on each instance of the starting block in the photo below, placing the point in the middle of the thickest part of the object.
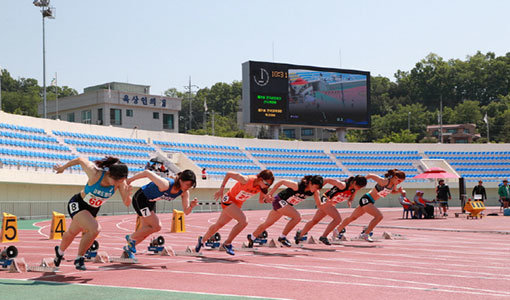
(92, 251)
(273, 244)
(47, 266)
(261, 240)
(311, 240)
(214, 241)
(8, 261)
(167, 251)
(101, 257)
(393, 236)
(123, 259)
(188, 252)
(156, 245)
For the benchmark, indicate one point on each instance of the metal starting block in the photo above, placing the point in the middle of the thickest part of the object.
(14, 265)
(92, 251)
(123, 259)
(214, 241)
(156, 245)
(47, 266)
(393, 236)
(187, 252)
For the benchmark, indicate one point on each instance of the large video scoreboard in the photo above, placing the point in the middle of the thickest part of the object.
(276, 93)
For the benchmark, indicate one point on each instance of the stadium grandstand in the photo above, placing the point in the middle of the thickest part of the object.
(30, 147)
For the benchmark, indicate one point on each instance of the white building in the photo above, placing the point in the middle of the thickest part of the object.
(118, 104)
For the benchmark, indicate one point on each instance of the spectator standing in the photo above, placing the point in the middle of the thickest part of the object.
(478, 192)
(504, 194)
(443, 195)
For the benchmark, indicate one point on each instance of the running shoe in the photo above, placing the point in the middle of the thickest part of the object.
(250, 241)
(131, 243)
(79, 263)
(228, 248)
(199, 245)
(297, 238)
(324, 240)
(341, 234)
(284, 241)
(128, 252)
(58, 258)
(366, 237)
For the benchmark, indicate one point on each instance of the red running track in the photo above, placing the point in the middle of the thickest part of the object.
(452, 258)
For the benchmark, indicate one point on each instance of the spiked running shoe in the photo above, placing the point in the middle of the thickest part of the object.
(228, 248)
(341, 234)
(250, 240)
(366, 237)
(324, 240)
(79, 263)
(128, 252)
(284, 241)
(131, 244)
(297, 237)
(199, 245)
(58, 258)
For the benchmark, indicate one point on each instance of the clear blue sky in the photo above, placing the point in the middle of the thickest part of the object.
(161, 42)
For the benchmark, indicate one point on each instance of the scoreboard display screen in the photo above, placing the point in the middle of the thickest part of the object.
(276, 93)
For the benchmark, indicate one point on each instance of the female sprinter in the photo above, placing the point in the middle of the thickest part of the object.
(105, 177)
(283, 205)
(340, 191)
(144, 202)
(384, 187)
(245, 188)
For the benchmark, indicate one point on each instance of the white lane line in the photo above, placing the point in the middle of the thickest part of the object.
(436, 287)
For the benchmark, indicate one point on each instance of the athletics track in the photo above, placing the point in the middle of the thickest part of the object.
(452, 258)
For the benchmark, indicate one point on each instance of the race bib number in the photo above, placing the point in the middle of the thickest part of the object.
(364, 201)
(294, 200)
(283, 203)
(94, 201)
(145, 212)
(324, 199)
(243, 196)
(340, 198)
(225, 199)
(74, 207)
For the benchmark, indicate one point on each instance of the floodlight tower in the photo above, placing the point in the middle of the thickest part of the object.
(47, 12)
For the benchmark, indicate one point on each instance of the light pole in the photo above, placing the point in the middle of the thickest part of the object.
(189, 98)
(0, 88)
(409, 121)
(46, 11)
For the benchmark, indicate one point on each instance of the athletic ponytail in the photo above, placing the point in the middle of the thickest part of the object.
(186, 175)
(315, 179)
(395, 172)
(359, 180)
(115, 168)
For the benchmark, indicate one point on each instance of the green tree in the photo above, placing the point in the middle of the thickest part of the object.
(404, 136)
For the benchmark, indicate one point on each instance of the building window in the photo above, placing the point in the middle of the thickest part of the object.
(115, 116)
(290, 133)
(306, 131)
(86, 116)
(436, 132)
(452, 131)
(461, 141)
(155, 115)
(99, 116)
(70, 117)
(129, 112)
(168, 121)
(466, 130)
